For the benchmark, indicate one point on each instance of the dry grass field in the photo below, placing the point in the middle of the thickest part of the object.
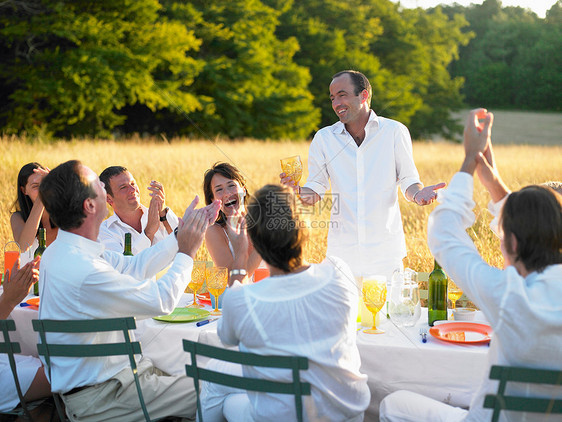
(180, 164)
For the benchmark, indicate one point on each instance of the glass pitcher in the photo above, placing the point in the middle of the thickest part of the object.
(404, 305)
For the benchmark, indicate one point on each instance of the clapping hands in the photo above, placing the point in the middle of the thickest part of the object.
(194, 224)
(17, 284)
(477, 137)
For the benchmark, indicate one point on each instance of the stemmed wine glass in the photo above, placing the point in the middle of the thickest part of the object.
(292, 167)
(198, 277)
(217, 280)
(374, 297)
(454, 293)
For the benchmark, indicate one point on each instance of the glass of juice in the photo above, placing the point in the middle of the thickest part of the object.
(11, 255)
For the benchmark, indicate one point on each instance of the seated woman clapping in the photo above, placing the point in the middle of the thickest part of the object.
(31, 374)
(302, 309)
(227, 244)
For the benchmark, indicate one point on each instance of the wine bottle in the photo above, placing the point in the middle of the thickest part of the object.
(38, 252)
(437, 295)
(128, 251)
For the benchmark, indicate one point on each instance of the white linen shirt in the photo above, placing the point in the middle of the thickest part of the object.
(79, 279)
(366, 224)
(112, 232)
(311, 314)
(525, 313)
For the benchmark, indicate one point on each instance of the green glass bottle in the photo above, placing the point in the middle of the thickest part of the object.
(38, 252)
(437, 295)
(128, 251)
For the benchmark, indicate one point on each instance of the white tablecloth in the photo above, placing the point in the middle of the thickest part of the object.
(162, 341)
(399, 360)
(394, 360)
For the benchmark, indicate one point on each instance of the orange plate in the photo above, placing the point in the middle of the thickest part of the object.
(462, 332)
(34, 301)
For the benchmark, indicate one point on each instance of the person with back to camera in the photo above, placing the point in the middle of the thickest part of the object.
(30, 213)
(302, 309)
(83, 280)
(521, 302)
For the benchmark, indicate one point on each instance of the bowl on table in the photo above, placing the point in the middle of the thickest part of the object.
(464, 314)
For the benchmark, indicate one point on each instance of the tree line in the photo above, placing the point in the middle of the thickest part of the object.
(261, 68)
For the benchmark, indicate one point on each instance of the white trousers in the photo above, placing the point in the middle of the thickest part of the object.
(220, 403)
(406, 406)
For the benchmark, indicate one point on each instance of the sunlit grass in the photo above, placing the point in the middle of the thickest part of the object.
(180, 165)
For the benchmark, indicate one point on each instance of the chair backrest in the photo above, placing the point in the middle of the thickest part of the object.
(500, 401)
(294, 363)
(126, 348)
(10, 348)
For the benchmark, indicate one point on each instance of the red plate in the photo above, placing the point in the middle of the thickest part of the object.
(462, 332)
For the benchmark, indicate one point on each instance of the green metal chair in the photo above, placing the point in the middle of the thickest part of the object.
(126, 348)
(10, 348)
(294, 363)
(500, 401)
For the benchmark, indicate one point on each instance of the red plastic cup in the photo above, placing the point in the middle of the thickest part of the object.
(260, 274)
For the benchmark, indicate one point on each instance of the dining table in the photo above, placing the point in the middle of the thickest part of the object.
(397, 359)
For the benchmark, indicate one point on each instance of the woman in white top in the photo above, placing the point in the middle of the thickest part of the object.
(30, 213)
(31, 374)
(227, 244)
(300, 310)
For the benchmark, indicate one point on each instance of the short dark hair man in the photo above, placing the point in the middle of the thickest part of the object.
(147, 226)
(363, 158)
(79, 279)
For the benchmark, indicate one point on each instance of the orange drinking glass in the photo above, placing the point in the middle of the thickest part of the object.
(10, 256)
(260, 274)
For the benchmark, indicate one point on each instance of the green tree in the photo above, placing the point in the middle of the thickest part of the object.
(515, 58)
(69, 67)
(404, 54)
(253, 85)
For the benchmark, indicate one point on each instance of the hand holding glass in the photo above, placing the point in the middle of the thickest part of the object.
(374, 297)
(292, 167)
(198, 276)
(217, 280)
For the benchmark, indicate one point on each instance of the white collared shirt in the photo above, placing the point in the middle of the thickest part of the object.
(112, 232)
(524, 312)
(79, 279)
(313, 314)
(366, 224)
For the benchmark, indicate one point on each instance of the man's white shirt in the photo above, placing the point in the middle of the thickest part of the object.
(112, 232)
(366, 225)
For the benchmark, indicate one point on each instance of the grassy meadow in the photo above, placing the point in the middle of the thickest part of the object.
(180, 164)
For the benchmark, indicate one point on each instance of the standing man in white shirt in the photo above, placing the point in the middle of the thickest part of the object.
(80, 279)
(365, 158)
(521, 302)
(147, 226)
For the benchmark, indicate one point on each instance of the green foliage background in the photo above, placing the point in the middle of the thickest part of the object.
(261, 68)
